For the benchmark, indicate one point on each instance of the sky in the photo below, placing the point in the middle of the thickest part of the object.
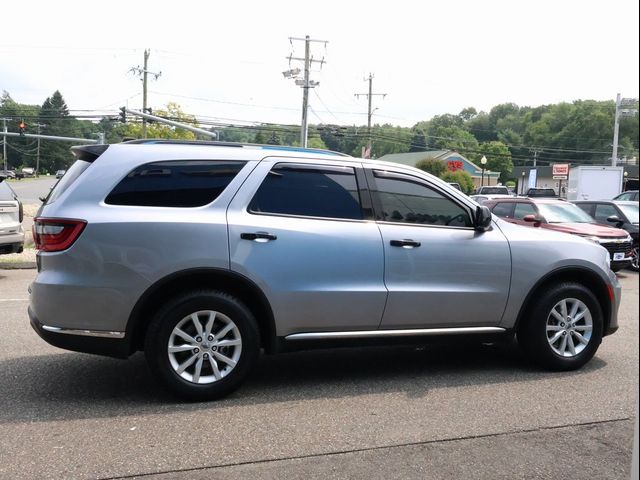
(223, 61)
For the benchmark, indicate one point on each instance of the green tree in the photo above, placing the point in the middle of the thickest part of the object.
(160, 130)
(460, 177)
(498, 159)
(432, 166)
(418, 142)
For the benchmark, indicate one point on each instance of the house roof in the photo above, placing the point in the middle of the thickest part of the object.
(412, 158)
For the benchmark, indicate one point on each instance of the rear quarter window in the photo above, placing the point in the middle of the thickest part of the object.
(65, 182)
(185, 183)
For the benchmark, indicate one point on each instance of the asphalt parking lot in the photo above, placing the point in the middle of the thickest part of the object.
(438, 412)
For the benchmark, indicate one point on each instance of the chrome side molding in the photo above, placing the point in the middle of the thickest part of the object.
(393, 333)
(84, 333)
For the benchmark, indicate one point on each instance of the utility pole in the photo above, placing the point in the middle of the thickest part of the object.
(616, 125)
(304, 82)
(370, 95)
(535, 156)
(38, 150)
(4, 144)
(144, 71)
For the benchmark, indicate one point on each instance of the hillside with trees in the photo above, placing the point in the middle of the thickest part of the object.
(580, 132)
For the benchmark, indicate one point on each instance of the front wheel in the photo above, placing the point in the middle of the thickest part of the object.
(202, 345)
(564, 328)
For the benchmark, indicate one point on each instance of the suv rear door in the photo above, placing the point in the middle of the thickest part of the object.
(302, 233)
(440, 271)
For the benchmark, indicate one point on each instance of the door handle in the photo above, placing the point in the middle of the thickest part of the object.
(258, 236)
(407, 243)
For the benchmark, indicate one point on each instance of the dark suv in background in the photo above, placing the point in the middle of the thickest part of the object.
(618, 214)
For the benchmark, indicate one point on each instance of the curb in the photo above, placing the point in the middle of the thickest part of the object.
(17, 265)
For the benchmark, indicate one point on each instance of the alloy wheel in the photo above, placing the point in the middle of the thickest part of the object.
(204, 347)
(569, 327)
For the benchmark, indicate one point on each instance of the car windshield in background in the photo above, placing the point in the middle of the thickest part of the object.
(563, 213)
(541, 192)
(630, 211)
(495, 191)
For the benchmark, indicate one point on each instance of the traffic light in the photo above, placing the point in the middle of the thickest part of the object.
(21, 127)
(150, 112)
(123, 115)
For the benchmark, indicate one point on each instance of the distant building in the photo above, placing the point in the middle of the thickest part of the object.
(453, 160)
(544, 178)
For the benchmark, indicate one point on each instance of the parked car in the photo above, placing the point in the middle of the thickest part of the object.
(28, 172)
(60, 173)
(493, 190)
(8, 173)
(455, 185)
(629, 195)
(483, 198)
(617, 214)
(562, 216)
(203, 254)
(11, 215)
(542, 193)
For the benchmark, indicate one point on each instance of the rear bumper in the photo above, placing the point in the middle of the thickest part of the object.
(110, 344)
(12, 243)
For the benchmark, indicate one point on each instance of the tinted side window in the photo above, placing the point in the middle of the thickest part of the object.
(524, 209)
(605, 211)
(185, 183)
(309, 191)
(503, 209)
(406, 201)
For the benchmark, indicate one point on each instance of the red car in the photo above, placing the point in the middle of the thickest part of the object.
(561, 216)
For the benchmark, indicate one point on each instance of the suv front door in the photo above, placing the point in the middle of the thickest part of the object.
(439, 271)
(302, 234)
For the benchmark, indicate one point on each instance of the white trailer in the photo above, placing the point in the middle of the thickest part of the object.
(594, 182)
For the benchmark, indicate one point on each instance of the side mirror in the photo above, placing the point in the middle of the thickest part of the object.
(483, 218)
(615, 219)
(537, 221)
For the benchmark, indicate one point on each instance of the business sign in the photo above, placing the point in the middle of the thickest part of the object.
(560, 177)
(533, 178)
(560, 169)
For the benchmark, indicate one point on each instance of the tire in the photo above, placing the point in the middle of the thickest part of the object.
(175, 347)
(541, 335)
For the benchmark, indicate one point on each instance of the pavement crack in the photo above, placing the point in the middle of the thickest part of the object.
(368, 449)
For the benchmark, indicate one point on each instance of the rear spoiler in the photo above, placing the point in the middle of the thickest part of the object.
(89, 153)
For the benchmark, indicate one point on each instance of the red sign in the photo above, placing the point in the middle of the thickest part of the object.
(455, 165)
(560, 169)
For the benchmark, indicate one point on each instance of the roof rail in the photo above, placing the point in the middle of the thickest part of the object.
(214, 143)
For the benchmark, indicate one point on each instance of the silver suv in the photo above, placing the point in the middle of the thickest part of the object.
(203, 254)
(11, 215)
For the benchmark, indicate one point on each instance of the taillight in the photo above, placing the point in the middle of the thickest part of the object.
(56, 234)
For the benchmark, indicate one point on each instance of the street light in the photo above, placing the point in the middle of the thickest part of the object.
(624, 187)
(483, 161)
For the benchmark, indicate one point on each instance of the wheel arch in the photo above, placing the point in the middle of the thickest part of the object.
(196, 278)
(583, 276)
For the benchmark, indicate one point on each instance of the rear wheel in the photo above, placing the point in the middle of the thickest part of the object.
(564, 328)
(202, 345)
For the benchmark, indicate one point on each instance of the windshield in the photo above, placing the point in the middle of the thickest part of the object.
(630, 211)
(563, 213)
(494, 191)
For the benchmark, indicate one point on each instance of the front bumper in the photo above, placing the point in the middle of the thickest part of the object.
(110, 344)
